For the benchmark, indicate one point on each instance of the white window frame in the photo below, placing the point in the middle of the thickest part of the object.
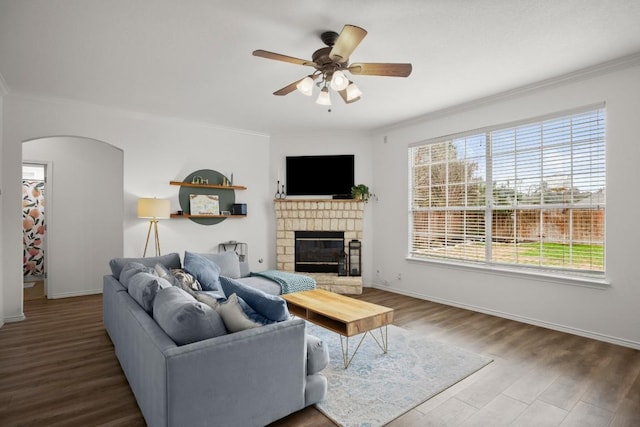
(579, 276)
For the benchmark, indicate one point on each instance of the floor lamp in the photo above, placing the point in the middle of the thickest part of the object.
(153, 209)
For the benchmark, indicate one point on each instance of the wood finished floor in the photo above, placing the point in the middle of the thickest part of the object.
(58, 368)
(35, 290)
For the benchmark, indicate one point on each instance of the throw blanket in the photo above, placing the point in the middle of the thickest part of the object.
(289, 282)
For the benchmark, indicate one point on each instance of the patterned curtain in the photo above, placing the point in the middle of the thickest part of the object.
(33, 227)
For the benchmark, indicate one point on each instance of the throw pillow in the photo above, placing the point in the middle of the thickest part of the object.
(234, 317)
(210, 300)
(206, 271)
(228, 262)
(171, 260)
(143, 288)
(165, 273)
(252, 314)
(130, 270)
(213, 300)
(184, 319)
(185, 280)
(272, 307)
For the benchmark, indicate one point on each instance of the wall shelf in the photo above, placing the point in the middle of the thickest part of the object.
(216, 186)
(225, 193)
(206, 216)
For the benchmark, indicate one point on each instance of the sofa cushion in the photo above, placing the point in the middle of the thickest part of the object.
(184, 319)
(272, 307)
(245, 269)
(265, 285)
(130, 270)
(171, 260)
(143, 288)
(235, 319)
(229, 263)
(206, 271)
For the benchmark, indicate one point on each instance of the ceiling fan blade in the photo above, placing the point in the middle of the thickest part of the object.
(278, 57)
(288, 89)
(381, 69)
(349, 38)
(343, 95)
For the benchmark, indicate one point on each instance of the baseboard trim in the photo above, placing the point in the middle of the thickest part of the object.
(17, 318)
(75, 294)
(523, 319)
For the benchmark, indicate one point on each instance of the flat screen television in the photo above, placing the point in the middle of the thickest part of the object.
(331, 175)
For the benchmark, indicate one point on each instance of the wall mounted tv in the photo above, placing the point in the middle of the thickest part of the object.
(320, 175)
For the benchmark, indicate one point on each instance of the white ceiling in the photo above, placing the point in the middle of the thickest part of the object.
(192, 58)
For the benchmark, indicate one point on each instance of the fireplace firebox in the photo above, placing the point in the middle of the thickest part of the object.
(318, 251)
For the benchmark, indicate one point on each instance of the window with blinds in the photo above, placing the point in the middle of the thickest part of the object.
(530, 195)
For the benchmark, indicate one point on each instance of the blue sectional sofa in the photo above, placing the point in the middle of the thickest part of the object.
(247, 378)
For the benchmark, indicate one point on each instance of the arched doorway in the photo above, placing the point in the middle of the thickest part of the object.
(84, 210)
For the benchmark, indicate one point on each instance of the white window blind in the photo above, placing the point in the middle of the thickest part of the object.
(529, 195)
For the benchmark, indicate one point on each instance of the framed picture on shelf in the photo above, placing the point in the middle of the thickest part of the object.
(204, 204)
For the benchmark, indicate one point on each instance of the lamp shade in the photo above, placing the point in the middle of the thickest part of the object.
(154, 208)
(339, 81)
(323, 97)
(306, 86)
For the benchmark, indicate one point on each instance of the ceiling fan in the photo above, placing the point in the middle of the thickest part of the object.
(330, 65)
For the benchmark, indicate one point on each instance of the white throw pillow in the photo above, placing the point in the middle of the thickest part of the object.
(234, 318)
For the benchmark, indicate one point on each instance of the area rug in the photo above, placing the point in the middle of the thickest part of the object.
(377, 388)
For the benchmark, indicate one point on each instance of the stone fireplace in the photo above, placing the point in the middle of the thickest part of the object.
(318, 215)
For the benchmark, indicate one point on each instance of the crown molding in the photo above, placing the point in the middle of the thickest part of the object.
(574, 76)
(131, 114)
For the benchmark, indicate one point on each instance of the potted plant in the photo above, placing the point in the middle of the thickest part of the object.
(360, 192)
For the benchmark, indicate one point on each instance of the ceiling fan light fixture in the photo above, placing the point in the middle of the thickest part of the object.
(331, 64)
(339, 81)
(353, 91)
(323, 98)
(305, 86)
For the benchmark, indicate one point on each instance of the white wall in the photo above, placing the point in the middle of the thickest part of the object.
(156, 150)
(1, 209)
(84, 211)
(609, 314)
(359, 145)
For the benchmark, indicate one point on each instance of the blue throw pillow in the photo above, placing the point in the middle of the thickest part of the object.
(252, 314)
(270, 306)
(206, 271)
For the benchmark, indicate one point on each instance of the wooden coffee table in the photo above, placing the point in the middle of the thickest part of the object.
(344, 315)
